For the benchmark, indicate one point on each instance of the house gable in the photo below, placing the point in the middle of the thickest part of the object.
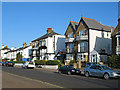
(69, 30)
(81, 27)
(117, 29)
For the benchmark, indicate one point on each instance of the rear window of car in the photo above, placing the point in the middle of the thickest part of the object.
(93, 67)
(70, 66)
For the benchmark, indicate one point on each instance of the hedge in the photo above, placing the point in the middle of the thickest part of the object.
(40, 62)
(49, 62)
(19, 61)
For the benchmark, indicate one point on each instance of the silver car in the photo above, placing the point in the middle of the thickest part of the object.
(101, 71)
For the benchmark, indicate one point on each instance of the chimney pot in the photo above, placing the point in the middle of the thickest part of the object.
(49, 30)
(2, 46)
(24, 44)
(12, 48)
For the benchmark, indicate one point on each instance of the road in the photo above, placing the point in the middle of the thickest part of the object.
(31, 78)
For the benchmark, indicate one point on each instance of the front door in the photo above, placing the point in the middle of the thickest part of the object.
(94, 58)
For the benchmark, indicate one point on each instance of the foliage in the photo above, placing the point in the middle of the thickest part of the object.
(52, 62)
(40, 62)
(18, 57)
(19, 61)
(5, 59)
(72, 62)
(114, 61)
(48, 62)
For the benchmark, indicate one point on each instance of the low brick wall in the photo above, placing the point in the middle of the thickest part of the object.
(49, 66)
(18, 64)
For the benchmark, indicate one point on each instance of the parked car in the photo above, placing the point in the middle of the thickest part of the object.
(27, 65)
(9, 63)
(101, 71)
(69, 69)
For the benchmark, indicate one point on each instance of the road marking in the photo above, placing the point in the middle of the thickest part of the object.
(34, 80)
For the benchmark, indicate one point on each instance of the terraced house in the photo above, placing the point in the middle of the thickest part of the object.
(47, 46)
(24, 51)
(116, 39)
(88, 41)
(3, 50)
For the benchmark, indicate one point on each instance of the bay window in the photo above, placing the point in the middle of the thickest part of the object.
(83, 46)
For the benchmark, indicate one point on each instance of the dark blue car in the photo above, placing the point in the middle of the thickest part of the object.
(69, 69)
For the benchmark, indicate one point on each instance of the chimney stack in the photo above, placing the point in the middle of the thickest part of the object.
(15, 48)
(12, 48)
(49, 30)
(2, 46)
(24, 44)
(30, 44)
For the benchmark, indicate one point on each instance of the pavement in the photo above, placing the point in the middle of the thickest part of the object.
(51, 79)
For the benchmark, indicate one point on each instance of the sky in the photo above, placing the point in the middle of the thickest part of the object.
(26, 21)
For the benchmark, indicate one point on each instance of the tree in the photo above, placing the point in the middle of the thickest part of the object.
(18, 57)
(114, 61)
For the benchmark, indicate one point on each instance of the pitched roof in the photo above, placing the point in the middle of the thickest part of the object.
(74, 25)
(5, 48)
(16, 49)
(46, 36)
(91, 23)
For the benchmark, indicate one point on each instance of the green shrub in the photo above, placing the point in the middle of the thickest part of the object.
(19, 61)
(47, 62)
(52, 62)
(40, 62)
(72, 62)
(114, 61)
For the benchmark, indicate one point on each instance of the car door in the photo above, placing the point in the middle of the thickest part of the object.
(99, 71)
(92, 70)
(63, 69)
(66, 68)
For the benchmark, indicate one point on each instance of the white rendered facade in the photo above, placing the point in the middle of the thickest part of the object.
(47, 48)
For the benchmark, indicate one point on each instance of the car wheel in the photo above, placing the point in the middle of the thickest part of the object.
(59, 71)
(87, 74)
(106, 76)
(69, 73)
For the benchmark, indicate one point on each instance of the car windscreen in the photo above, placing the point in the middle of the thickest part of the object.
(106, 68)
(31, 63)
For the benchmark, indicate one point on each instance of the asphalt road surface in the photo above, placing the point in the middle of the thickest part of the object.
(14, 77)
